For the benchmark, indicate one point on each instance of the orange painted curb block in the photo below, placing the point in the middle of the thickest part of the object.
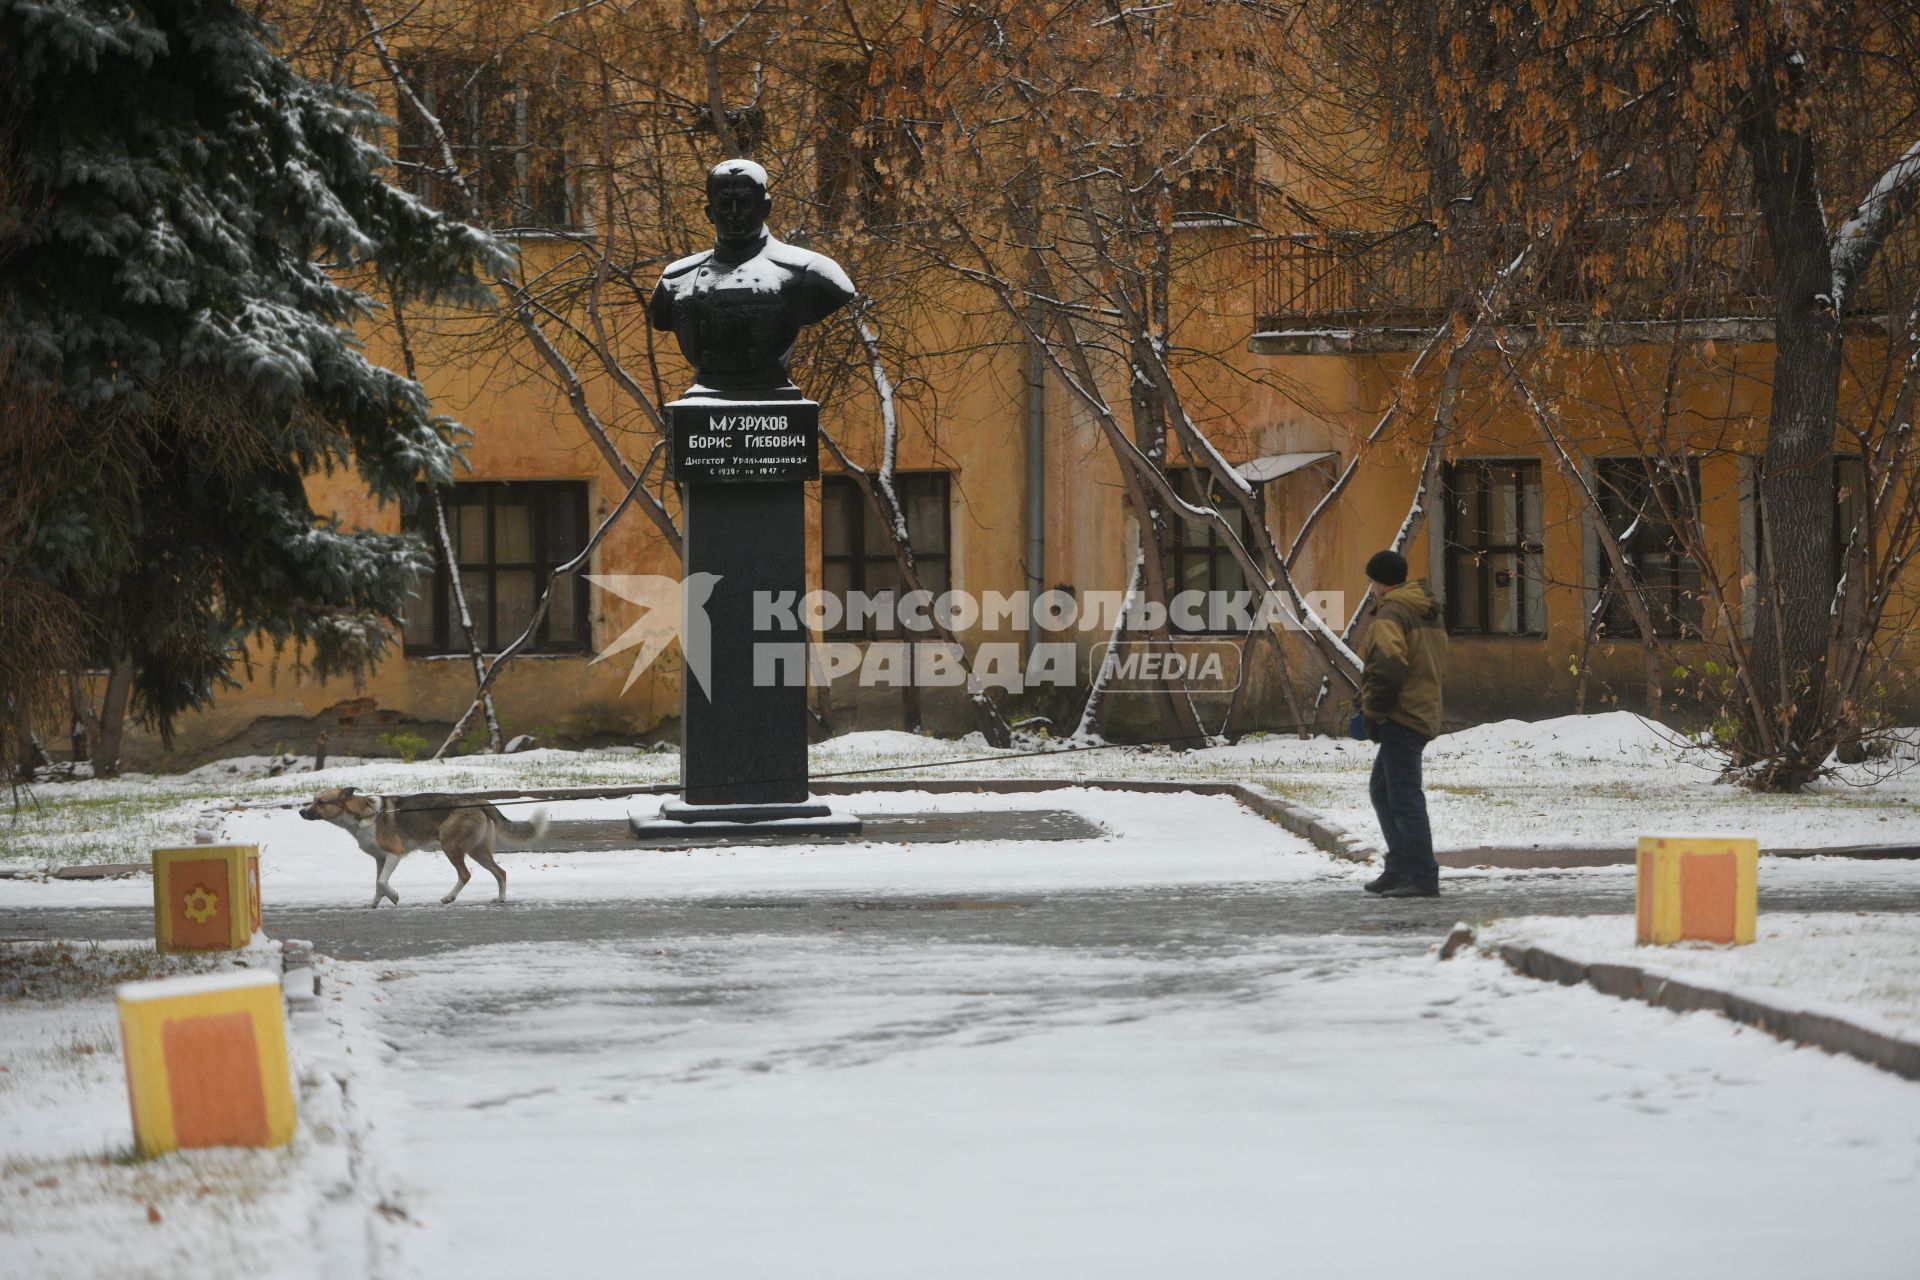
(206, 897)
(206, 1060)
(1696, 889)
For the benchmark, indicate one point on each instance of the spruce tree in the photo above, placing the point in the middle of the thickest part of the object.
(189, 229)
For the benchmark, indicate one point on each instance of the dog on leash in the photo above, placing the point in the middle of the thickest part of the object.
(388, 828)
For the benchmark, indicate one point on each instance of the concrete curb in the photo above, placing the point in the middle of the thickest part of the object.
(1558, 859)
(1328, 837)
(1892, 1053)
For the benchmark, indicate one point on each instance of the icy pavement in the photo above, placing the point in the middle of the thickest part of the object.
(717, 902)
(1190, 1047)
(827, 1106)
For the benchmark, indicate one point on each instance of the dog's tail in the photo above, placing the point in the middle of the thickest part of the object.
(532, 829)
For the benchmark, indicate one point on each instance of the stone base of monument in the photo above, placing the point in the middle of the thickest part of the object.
(801, 821)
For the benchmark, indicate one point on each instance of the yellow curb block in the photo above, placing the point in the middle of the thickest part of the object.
(206, 1060)
(206, 897)
(1695, 889)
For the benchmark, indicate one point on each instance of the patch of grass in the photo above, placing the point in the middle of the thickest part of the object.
(408, 746)
(54, 971)
(94, 853)
(1455, 789)
(84, 1043)
(73, 1054)
(68, 824)
(216, 1180)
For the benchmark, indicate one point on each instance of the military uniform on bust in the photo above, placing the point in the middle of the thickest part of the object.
(738, 308)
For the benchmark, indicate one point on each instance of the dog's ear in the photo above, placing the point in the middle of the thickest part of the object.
(344, 792)
(359, 806)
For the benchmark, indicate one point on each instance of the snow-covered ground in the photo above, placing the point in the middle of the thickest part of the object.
(1578, 781)
(815, 1106)
(849, 1107)
(122, 819)
(1147, 840)
(1150, 1094)
(73, 1201)
(1862, 967)
(1593, 781)
(1324, 1107)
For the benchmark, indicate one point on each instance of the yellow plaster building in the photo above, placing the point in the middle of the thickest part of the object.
(1008, 486)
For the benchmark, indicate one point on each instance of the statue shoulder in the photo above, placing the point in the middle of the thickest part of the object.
(681, 266)
(665, 293)
(807, 262)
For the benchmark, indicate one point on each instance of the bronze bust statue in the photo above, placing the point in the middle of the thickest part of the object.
(738, 307)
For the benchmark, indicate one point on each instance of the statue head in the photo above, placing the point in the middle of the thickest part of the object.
(737, 200)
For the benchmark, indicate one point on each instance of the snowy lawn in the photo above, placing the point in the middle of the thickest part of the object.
(1148, 840)
(825, 1106)
(1579, 781)
(73, 1199)
(1593, 781)
(1864, 968)
(123, 819)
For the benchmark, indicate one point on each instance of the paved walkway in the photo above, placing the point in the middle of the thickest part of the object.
(1218, 1080)
(1119, 917)
(1204, 1082)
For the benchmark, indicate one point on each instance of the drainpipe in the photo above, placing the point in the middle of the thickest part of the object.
(1036, 481)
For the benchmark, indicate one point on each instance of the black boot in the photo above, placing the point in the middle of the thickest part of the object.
(1411, 889)
(1385, 882)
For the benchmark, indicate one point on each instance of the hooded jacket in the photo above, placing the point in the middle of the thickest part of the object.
(1405, 652)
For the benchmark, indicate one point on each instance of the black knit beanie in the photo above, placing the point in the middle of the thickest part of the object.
(1388, 568)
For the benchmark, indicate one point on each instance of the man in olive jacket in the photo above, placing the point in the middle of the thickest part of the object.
(1405, 652)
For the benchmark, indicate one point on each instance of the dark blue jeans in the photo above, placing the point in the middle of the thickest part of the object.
(1401, 805)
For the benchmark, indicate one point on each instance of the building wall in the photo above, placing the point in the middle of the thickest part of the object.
(967, 414)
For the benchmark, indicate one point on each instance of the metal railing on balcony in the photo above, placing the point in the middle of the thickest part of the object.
(1349, 283)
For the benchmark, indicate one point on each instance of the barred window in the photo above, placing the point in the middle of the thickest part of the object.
(1634, 506)
(1195, 557)
(507, 139)
(1495, 582)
